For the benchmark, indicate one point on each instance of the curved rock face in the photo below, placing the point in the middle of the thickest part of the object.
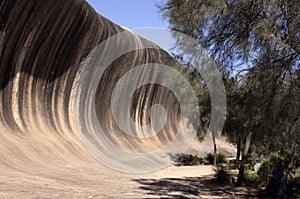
(50, 94)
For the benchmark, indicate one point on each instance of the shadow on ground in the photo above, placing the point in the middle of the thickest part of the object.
(203, 187)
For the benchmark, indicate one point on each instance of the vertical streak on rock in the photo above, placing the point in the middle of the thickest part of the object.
(43, 44)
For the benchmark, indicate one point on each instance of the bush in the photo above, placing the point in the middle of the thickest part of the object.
(222, 174)
(196, 160)
(278, 161)
(251, 178)
(268, 165)
(220, 158)
(264, 172)
(188, 160)
(210, 158)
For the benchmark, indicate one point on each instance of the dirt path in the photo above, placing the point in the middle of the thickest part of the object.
(95, 181)
(191, 182)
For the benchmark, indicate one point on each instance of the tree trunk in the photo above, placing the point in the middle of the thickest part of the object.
(244, 157)
(215, 147)
(238, 152)
(215, 154)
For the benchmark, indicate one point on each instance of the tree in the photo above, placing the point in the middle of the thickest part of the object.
(256, 43)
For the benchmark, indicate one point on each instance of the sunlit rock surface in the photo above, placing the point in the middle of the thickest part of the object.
(44, 47)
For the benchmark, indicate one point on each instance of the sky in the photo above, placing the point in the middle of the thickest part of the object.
(141, 16)
(132, 14)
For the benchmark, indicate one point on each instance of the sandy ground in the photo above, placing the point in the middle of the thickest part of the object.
(95, 181)
(41, 172)
(38, 173)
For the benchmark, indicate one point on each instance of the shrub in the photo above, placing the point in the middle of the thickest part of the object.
(222, 174)
(196, 160)
(267, 166)
(220, 158)
(188, 160)
(277, 161)
(264, 172)
(251, 178)
(210, 158)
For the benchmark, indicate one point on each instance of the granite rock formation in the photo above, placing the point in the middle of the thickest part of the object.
(44, 46)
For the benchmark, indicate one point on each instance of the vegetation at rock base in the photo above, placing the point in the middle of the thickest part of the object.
(187, 160)
(222, 174)
(256, 45)
(220, 158)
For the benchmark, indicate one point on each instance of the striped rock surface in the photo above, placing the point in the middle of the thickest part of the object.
(60, 63)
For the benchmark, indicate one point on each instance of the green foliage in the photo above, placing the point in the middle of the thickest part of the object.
(251, 178)
(256, 45)
(203, 99)
(278, 161)
(222, 174)
(275, 161)
(188, 160)
(196, 160)
(220, 158)
(238, 31)
(264, 172)
(210, 158)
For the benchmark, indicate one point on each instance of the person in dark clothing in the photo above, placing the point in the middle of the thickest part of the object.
(276, 187)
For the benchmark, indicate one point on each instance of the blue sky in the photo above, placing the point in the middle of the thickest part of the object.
(131, 13)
